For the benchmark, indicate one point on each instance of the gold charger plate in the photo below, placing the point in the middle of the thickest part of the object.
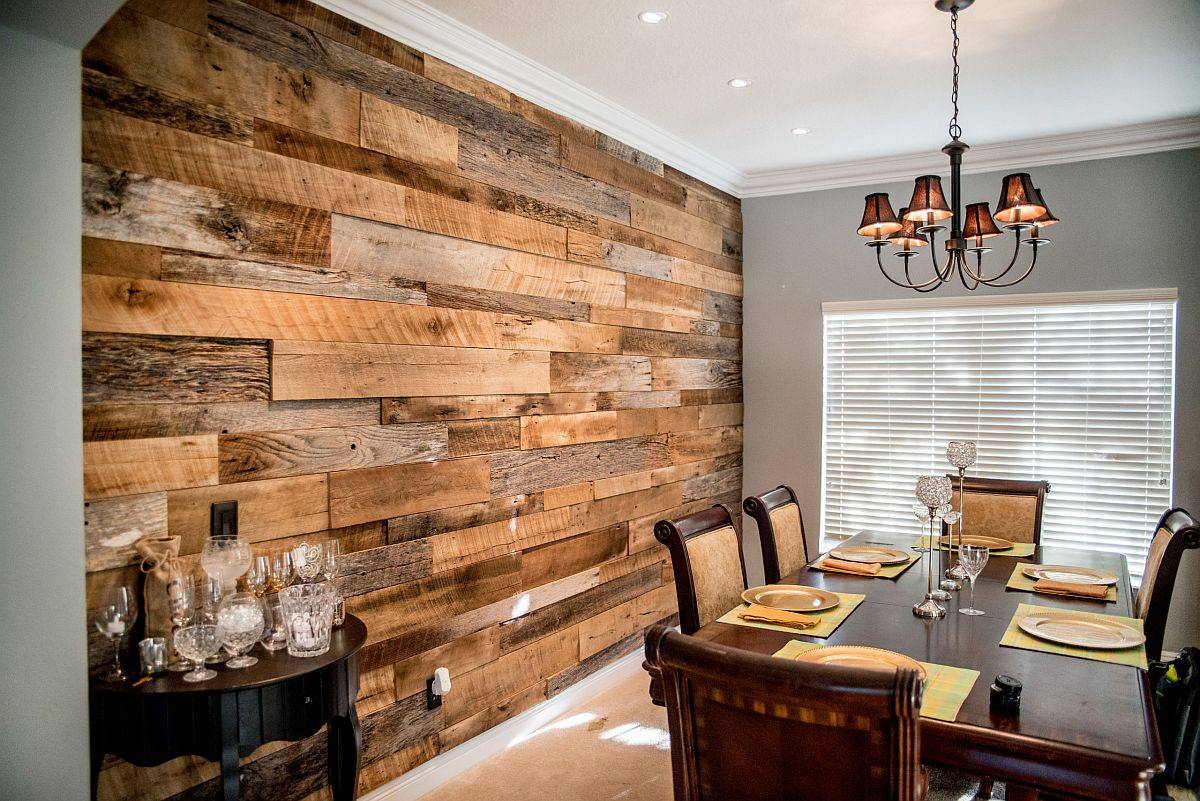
(1082, 631)
(861, 656)
(991, 543)
(791, 597)
(879, 554)
(1068, 574)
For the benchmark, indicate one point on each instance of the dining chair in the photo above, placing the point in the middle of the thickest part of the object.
(709, 567)
(1177, 532)
(755, 728)
(780, 530)
(1001, 507)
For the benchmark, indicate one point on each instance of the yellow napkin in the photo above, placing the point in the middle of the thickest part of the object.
(778, 617)
(836, 565)
(1051, 587)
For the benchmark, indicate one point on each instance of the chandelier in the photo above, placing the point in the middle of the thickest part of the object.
(1021, 210)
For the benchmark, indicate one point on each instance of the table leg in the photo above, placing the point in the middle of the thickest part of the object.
(230, 767)
(345, 743)
(1020, 792)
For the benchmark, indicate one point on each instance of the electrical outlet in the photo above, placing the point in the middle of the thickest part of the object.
(223, 519)
(432, 699)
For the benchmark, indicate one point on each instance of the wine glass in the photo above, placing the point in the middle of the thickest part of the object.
(972, 558)
(281, 569)
(258, 577)
(181, 602)
(921, 512)
(212, 592)
(114, 619)
(225, 558)
(197, 643)
(239, 625)
(333, 550)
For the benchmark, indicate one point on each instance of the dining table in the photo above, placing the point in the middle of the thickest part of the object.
(1085, 729)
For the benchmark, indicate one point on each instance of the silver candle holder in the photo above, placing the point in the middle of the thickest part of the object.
(932, 492)
(960, 454)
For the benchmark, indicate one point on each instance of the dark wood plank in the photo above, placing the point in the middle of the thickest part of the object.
(472, 437)
(458, 297)
(376, 568)
(529, 471)
(456, 518)
(665, 343)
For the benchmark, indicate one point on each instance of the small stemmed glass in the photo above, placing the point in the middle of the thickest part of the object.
(239, 626)
(972, 558)
(258, 576)
(181, 600)
(333, 550)
(197, 644)
(114, 620)
(281, 569)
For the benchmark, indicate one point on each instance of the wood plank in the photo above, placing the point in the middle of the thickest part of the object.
(463, 407)
(426, 524)
(629, 153)
(612, 230)
(365, 246)
(726, 212)
(267, 510)
(298, 48)
(161, 307)
(694, 346)
(301, 370)
(557, 497)
(124, 368)
(131, 259)
(458, 297)
(696, 186)
(637, 318)
(709, 328)
(212, 72)
(641, 530)
(493, 715)
(657, 477)
(520, 172)
(514, 472)
(722, 414)
(377, 568)
(731, 243)
(578, 372)
(151, 211)
(279, 277)
(629, 258)
(395, 130)
(703, 397)
(358, 496)
(546, 563)
(112, 526)
(713, 485)
(663, 297)
(548, 431)
(705, 443)
(722, 307)
(460, 656)
(263, 455)
(473, 437)
(132, 466)
(142, 421)
(552, 121)
(612, 626)
(610, 169)
(695, 373)
(191, 15)
(661, 219)
(463, 81)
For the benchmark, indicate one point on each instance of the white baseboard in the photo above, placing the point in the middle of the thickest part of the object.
(442, 768)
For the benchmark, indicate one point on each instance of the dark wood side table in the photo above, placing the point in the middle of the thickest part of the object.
(227, 717)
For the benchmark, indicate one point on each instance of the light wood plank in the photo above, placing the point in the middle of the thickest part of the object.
(473, 437)
(696, 373)
(576, 372)
(557, 497)
(661, 219)
(128, 467)
(130, 259)
(638, 318)
(664, 297)
(396, 130)
(112, 526)
(359, 496)
(548, 431)
(142, 421)
(692, 346)
(267, 510)
(462, 407)
(463, 81)
(613, 170)
(723, 414)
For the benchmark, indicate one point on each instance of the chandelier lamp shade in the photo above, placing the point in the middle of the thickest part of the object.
(1021, 210)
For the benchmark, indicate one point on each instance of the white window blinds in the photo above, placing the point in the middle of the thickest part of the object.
(1071, 390)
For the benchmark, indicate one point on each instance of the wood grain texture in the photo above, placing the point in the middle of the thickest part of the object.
(358, 496)
(130, 259)
(394, 129)
(112, 526)
(579, 372)
(267, 510)
(128, 467)
(664, 297)
(141, 420)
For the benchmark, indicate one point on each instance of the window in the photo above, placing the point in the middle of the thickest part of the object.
(1076, 389)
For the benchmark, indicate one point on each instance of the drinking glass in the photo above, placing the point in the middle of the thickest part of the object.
(114, 619)
(308, 560)
(197, 643)
(225, 557)
(239, 625)
(212, 592)
(308, 617)
(181, 602)
(275, 633)
(281, 569)
(972, 558)
(333, 551)
(258, 577)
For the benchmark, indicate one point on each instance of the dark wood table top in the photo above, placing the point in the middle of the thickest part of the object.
(1071, 709)
(272, 667)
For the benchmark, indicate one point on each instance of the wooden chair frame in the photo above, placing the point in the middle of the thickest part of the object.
(1185, 536)
(1007, 486)
(760, 507)
(674, 534)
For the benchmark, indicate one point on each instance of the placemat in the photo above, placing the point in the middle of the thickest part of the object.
(1018, 549)
(885, 571)
(1015, 638)
(830, 618)
(946, 687)
(1019, 581)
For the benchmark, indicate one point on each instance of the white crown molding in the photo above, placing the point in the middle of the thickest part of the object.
(429, 30)
(1127, 140)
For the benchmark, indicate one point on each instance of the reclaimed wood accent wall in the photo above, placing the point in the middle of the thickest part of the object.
(373, 297)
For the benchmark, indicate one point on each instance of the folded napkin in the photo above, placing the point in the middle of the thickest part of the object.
(1050, 587)
(778, 617)
(843, 566)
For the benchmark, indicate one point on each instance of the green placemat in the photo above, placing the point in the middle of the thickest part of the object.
(946, 687)
(1015, 638)
(886, 571)
(1019, 581)
(830, 618)
(1018, 549)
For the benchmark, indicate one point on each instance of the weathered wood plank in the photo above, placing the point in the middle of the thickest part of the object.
(460, 656)
(726, 212)
(161, 307)
(520, 172)
(546, 563)
(661, 343)
(132, 466)
(722, 414)
(439, 521)
(552, 121)
(244, 457)
(704, 397)
(663, 297)
(394, 129)
(637, 318)
(463, 81)
(130, 259)
(151, 211)
(514, 472)
(463, 407)
(629, 153)
(302, 370)
(298, 48)
(112, 526)
(124, 368)
(661, 219)
(191, 15)
(549, 431)
(474, 437)
(373, 569)
(628, 258)
(713, 485)
(481, 721)
(610, 169)
(278, 277)
(143, 421)
(695, 373)
(696, 186)
(731, 243)
(147, 103)
(359, 496)
(612, 230)
(722, 307)
(387, 250)
(557, 497)
(705, 443)
(458, 297)
(613, 625)
(267, 510)
(578, 372)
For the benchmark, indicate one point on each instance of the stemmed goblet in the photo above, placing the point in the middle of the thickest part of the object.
(333, 551)
(225, 558)
(114, 620)
(197, 643)
(281, 569)
(258, 576)
(239, 626)
(972, 558)
(181, 603)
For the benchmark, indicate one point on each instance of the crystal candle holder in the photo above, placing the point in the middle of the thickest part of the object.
(961, 453)
(934, 491)
(308, 617)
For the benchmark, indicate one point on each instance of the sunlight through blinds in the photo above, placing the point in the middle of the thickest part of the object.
(1079, 394)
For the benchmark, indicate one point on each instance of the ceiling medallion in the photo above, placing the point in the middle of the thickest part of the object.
(1021, 210)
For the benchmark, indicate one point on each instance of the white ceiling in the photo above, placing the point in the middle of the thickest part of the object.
(869, 77)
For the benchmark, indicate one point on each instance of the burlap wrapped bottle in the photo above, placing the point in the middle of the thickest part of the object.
(160, 561)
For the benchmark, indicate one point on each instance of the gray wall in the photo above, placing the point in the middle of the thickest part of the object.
(1127, 223)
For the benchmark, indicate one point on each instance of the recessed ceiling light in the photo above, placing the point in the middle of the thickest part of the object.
(739, 83)
(800, 131)
(653, 17)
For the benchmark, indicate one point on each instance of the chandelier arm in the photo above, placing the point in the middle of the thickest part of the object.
(962, 272)
(910, 285)
(946, 275)
(1032, 264)
(978, 276)
(930, 283)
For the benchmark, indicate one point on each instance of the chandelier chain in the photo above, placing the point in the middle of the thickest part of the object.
(955, 130)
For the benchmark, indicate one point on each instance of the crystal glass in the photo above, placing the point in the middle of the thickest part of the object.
(275, 633)
(258, 576)
(114, 619)
(961, 453)
(197, 643)
(933, 491)
(239, 625)
(333, 552)
(972, 558)
(181, 604)
(308, 560)
(225, 557)
(281, 569)
(308, 617)
(212, 592)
